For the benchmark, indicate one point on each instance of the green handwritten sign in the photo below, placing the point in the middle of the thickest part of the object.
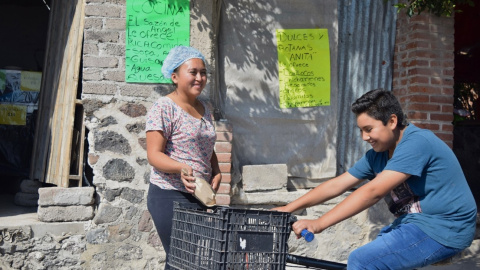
(303, 67)
(153, 27)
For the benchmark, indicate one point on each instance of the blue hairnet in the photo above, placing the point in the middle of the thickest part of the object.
(176, 57)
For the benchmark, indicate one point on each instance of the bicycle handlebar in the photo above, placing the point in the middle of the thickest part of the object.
(300, 260)
(307, 235)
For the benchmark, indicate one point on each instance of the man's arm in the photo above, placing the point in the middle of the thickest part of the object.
(322, 193)
(361, 199)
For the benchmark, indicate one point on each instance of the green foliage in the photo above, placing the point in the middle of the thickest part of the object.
(466, 102)
(436, 7)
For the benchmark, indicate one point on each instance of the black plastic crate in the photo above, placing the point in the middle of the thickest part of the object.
(228, 238)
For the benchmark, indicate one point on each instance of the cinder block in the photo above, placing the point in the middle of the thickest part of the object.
(57, 196)
(65, 213)
(264, 177)
(99, 88)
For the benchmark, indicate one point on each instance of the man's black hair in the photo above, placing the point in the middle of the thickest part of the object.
(380, 105)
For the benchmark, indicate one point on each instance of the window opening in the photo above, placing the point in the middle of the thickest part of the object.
(24, 26)
(466, 123)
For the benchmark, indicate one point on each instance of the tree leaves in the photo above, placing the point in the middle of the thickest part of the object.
(437, 7)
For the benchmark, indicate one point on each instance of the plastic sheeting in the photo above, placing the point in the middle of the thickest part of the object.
(302, 138)
(16, 143)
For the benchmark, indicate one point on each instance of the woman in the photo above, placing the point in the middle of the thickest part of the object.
(180, 136)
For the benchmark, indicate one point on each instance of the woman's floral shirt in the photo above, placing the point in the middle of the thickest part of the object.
(189, 140)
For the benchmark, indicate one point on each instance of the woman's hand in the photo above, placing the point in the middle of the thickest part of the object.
(216, 180)
(216, 173)
(188, 179)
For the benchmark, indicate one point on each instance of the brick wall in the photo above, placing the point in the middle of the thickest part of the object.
(223, 149)
(423, 71)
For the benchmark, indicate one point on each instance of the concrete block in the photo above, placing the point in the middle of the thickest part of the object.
(264, 177)
(272, 198)
(65, 213)
(99, 88)
(57, 196)
(100, 62)
(58, 229)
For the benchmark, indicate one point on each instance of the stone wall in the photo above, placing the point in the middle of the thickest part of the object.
(20, 249)
(122, 235)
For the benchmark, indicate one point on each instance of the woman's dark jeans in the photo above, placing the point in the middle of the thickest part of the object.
(160, 205)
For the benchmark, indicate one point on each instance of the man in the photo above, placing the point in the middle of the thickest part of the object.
(421, 181)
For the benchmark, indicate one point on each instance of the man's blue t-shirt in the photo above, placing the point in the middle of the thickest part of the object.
(436, 197)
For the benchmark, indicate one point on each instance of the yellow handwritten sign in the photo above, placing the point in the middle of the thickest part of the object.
(303, 67)
(153, 28)
(13, 114)
(30, 81)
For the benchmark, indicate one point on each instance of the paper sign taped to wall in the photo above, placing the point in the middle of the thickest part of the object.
(18, 86)
(303, 67)
(3, 80)
(13, 114)
(30, 81)
(152, 29)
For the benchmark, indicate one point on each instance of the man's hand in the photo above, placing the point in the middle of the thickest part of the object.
(309, 224)
(280, 209)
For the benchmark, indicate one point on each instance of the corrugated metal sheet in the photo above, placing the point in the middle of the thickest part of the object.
(366, 42)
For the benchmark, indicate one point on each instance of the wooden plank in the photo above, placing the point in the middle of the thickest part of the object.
(59, 166)
(53, 140)
(48, 89)
(78, 141)
(81, 151)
